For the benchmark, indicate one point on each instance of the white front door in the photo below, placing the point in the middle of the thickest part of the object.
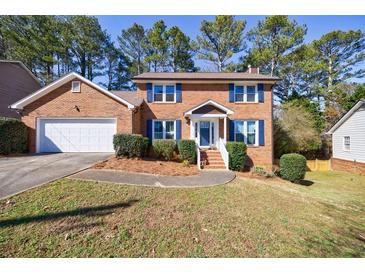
(205, 132)
(75, 135)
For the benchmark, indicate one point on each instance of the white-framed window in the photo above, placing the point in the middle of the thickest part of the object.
(164, 93)
(346, 143)
(164, 129)
(75, 86)
(247, 93)
(246, 131)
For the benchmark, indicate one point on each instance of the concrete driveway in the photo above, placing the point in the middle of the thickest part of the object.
(18, 174)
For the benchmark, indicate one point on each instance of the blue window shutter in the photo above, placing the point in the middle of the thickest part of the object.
(231, 130)
(178, 93)
(149, 130)
(260, 88)
(261, 132)
(178, 129)
(231, 92)
(149, 93)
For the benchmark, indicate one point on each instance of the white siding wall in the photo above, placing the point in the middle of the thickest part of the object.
(355, 128)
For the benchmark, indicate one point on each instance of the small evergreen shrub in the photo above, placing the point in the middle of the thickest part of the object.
(130, 145)
(13, 136)
(292, 167)
(164, 149)
(187, 150)
(262, 172)
(237, 155)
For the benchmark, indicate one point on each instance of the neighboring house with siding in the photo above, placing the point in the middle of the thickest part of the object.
(74, 114)
(16, 82)
(348, 140)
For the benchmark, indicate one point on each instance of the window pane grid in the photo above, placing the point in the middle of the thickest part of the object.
(245, 131)
(245, 94)
(164, 130)
(164, 93)
(347, 142)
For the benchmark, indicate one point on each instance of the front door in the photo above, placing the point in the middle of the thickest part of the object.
(204, 133)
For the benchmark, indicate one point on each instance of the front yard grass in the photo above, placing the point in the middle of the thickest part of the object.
(325, 217)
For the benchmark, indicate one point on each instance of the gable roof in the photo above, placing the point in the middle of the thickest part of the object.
(209, 102)
(346, 116)
(207, 76)
(19, 63)
(63, 80)
(129, 96)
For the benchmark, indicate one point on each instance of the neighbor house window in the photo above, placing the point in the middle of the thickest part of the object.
(163, 129)
(246, 131)
(245, 94)
(75, 86)
(164, 93)
(346, 143)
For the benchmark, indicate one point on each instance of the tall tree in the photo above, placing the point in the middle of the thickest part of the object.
(338, 55)
(116, 66)
(157, 56)
(272, 39)
(133, 43)
(180, 51)
(220, 40)
(88, 40)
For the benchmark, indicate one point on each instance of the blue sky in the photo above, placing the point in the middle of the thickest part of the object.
(317, 25)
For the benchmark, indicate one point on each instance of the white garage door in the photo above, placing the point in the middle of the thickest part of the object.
(76, 135)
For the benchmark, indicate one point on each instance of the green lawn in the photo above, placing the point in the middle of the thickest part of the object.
(246, 218)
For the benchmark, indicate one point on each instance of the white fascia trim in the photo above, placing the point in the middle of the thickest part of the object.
(345, 117)
(47, 89)
(210, 102)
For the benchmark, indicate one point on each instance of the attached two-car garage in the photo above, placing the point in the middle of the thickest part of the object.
(75, 135)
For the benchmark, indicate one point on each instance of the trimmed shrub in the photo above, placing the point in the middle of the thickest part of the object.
(13, 136)
(164, 149)
(237, 155)
(187, 151)
(130, 145)
(293, 167)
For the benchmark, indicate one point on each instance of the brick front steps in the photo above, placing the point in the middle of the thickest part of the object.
(211, 159)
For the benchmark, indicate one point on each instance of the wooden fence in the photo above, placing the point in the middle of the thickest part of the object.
(319, 165)
(314, 165)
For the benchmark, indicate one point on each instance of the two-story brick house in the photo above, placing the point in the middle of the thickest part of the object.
(73, 114)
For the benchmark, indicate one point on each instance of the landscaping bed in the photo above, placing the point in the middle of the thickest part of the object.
(148, 165)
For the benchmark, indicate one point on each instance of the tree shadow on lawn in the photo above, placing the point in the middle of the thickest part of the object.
(88, 211)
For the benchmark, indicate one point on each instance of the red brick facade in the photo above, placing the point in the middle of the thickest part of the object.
(349, 166)
(195, 94)
(90, 103)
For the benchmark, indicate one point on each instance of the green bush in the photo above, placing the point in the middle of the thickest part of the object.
(187, 150)
(164, 149)
(237, 155)
(13, 136)
(293, 167)
(130, 145)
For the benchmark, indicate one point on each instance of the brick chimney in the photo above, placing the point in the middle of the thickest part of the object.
(253, 70)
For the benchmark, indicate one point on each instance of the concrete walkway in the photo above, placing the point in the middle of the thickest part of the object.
(203, 179)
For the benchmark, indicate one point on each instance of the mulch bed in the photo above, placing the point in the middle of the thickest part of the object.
(148, 165)
(251, 175)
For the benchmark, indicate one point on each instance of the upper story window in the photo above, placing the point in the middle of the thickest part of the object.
(246, 131)
(164, 93)
(75, 86)
(246, 94)
(346, 143)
